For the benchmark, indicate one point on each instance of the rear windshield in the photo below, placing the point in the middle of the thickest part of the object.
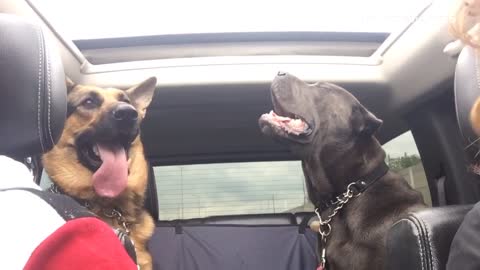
(222, 189)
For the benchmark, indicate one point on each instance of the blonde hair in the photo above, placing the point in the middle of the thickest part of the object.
(465, 22)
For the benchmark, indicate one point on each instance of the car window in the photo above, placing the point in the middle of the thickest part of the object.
(202, 190)
(45, 181)
(403, 157)
(192, 191)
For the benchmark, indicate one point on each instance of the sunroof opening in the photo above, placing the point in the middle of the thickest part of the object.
(93, 19)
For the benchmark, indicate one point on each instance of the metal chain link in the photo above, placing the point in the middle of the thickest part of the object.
(325, 228)
(120, 219)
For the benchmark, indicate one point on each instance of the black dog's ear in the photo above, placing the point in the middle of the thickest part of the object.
(372, 124)
(366, 124)
(142, 94)
(70, 84)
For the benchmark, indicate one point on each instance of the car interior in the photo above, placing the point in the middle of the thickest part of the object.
(223, 195)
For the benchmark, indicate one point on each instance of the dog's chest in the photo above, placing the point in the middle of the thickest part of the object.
(344, 253)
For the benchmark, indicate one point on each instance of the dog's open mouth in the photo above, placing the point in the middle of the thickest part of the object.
(109, 164)
(95, 154)
(293, 126)
(91, 157)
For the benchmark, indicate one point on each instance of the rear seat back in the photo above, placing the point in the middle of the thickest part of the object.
(271, 241)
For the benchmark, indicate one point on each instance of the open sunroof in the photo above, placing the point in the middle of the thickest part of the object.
(112, 31)
(93, 19)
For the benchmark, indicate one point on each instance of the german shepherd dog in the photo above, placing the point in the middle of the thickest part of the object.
(99, 159)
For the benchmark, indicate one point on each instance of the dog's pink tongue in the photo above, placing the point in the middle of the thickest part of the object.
(111, 178)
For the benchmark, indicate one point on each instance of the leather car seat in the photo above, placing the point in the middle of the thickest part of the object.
(422, 240)
(32, 84)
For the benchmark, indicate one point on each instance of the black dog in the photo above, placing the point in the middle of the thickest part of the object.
(333, 134)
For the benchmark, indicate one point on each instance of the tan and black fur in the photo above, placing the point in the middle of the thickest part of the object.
(66, 169)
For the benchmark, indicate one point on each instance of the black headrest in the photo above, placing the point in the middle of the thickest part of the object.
(32, 89)
(467, 90)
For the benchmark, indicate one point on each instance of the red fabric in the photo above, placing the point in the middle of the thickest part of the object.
(83, 243)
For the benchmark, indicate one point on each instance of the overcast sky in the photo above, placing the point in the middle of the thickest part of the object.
(401, 145)
(83, 19)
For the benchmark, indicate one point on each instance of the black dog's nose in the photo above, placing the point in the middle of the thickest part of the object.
(281, 73)
(125, 112)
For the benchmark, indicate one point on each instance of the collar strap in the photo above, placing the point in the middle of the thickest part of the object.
(114, 213)
(359, 186)
(371, 178)
(54, 188)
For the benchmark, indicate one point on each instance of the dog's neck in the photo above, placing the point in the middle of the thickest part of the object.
(331, 181)
(373, 156)
(357, 163)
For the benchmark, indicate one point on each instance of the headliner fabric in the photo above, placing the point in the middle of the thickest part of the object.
(233, 247)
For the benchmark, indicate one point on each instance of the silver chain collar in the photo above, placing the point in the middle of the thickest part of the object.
(117, 214)
(113, 213)
(325, 227)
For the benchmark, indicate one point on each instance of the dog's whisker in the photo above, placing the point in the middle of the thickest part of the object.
(476, 155)
(472, 143)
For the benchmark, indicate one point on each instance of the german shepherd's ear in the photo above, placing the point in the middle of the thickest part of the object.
(141, 95)
(70, 84)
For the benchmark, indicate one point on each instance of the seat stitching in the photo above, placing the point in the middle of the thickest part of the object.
(40, 64)
(422, 256)
(49, 92)
(429, 241)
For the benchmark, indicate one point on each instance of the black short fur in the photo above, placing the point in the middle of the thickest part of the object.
(340, 148)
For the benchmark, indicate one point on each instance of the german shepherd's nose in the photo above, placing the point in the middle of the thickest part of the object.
(125, 113)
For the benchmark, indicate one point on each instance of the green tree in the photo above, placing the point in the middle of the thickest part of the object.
(401, 163)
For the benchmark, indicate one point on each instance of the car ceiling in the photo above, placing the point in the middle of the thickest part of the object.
(206, 109)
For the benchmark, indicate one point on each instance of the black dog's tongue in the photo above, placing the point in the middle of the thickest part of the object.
(111, 178)
(294, 126)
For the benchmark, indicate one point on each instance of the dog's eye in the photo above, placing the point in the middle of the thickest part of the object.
(124, 99)
(89, 103)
